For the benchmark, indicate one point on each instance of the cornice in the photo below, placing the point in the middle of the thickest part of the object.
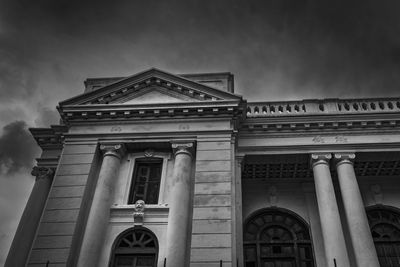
(103, 112)
(49, 138)
(322, 123)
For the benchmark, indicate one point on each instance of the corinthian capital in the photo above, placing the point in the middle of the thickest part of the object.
(42, 172)
(182, 148)
(320, 158)
(116, 150)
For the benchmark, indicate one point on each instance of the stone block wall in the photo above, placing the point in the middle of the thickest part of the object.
(212, 206)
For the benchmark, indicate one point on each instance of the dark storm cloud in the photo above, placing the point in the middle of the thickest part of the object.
(16, 71)
(17, 148)
(279, 49)
(288, 48)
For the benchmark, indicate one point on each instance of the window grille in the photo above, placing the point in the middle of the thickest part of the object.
(385, 229)
(135, 248)
(275, 238)
(146, 181)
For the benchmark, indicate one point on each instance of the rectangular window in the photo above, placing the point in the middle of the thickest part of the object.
(146, 181)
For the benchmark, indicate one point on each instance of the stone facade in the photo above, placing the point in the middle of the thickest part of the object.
(230, 183)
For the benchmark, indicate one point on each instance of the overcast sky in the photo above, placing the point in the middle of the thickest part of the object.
(277, 50)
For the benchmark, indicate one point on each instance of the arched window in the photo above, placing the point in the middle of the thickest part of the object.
(277, 238)
(135, 247)
(385, 228)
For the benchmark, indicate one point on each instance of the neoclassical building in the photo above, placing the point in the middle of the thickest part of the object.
(158, 169)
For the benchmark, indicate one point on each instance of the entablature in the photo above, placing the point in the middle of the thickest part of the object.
(51, 142)
(319, 122)
(49, 138)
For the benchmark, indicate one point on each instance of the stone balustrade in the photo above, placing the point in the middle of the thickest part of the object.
(324, 106)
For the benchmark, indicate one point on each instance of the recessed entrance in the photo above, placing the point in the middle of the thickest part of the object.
(277, 238)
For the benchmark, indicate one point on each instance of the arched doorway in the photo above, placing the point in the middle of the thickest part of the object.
(135, 247)
(385, 229)
(276, 238)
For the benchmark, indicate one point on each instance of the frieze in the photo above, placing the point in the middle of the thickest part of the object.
(329, 139)
(145, 127)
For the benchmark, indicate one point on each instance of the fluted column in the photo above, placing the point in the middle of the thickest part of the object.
(360, 233)
(179, 206)
(26, 231)
(332, 231)
(99, 215)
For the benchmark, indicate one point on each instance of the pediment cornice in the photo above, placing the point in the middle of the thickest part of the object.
(118, 91)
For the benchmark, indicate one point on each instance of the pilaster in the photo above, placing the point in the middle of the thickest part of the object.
(27, 227)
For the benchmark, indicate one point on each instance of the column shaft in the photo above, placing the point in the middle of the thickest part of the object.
(99, 215)
(332, 232)
(26, 231)
(360, 233)
(179, 208)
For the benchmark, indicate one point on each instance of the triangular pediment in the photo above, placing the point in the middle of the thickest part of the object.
(153, 95)
(151, 87)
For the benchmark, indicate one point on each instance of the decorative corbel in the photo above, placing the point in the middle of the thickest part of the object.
(273, 195)
(148, 153)
(377, 195)
(42, 172)
(138, 214)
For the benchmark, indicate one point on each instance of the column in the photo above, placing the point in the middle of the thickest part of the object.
(179, 206)
(99, 215)
(332, 231)
(26, 231)
(360, 233)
